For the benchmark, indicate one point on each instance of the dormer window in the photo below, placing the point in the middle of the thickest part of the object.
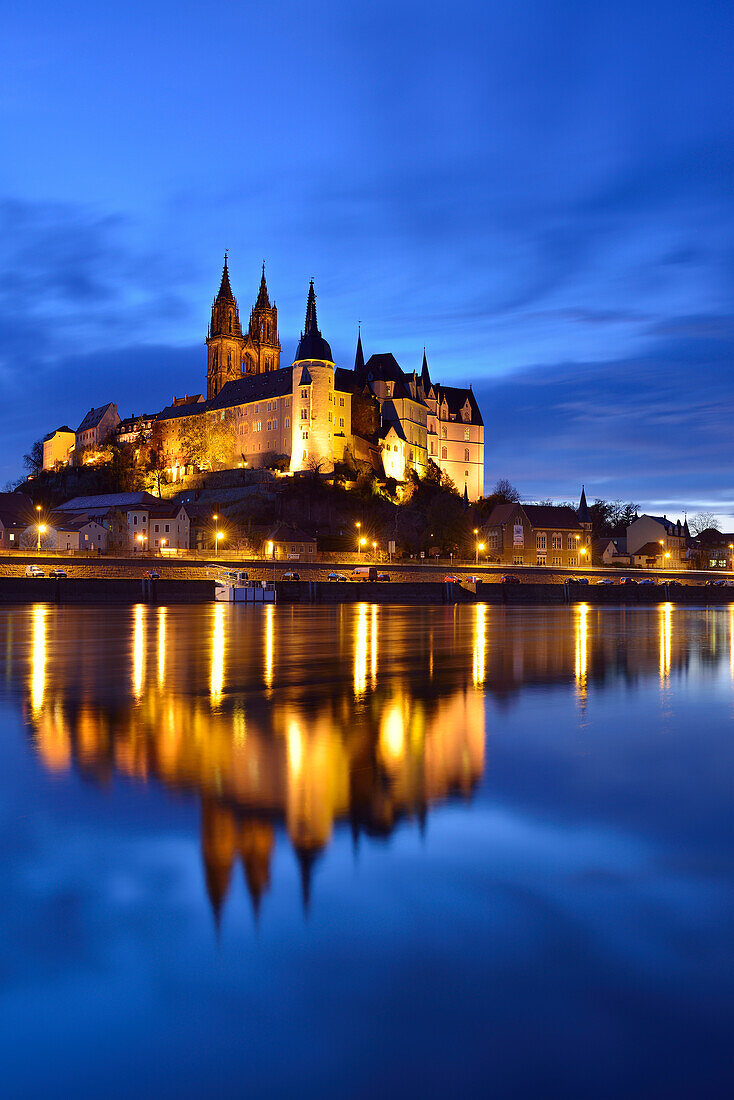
(388, 389)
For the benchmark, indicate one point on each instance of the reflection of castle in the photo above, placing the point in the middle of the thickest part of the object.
(364, 751)
(301, 718)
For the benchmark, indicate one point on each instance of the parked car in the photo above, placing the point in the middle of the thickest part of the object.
(628, 580)
(648, 581)
(606, 580)
(675, 583)
(336, 577)
(383, 576)
(510, 579)
(34, 571)
(57, 573)
(151, 575)
(578, 580)
(291, 576)
(450, 578)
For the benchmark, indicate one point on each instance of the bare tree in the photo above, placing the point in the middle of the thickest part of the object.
(33, 461)
(704, 521)
(505, 488)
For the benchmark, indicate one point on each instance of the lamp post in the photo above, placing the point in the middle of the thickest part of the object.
(215, 517)
(163, 543)
(362, 542)
(41, 530)
(480, 546)
(731, 556)
(220, 536)
(374, 550)
(662, 555)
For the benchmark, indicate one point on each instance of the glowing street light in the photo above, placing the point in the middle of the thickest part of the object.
(479, 546)
(220, 536)
(374, 550)
(362, 542)
(41, 530)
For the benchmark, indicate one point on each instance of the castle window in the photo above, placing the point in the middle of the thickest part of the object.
(341, 402)
(341, 421)
(287, 422)
(444, 433)
(443, 452)
(330, 417)
(304, 414)
(467, 433)
(466, 454)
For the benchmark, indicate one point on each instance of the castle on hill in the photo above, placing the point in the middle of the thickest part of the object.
(312, 414)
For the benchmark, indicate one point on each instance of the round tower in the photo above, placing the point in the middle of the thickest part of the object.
(313, 397)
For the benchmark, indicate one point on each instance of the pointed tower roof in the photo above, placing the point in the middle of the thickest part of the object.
(425, 376)
(312, 344)
(359, 357)
(225, 290)
(263, 299)
(583, 509)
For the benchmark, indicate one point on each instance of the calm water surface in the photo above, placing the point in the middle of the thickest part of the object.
(366, 851)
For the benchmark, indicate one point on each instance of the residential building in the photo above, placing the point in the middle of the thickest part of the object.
(538, 534)
(671, 536)
(58, 447)
(16, 511)
(68, 531)
(96, 428)
(285, 543)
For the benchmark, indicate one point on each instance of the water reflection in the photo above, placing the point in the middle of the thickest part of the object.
(297, 719)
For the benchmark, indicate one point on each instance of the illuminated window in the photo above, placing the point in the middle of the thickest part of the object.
(341, 402)
(467, 433)
(444, 452)
(341, 421)
(571, 543)
(540, 541)
(444, 432)
(466, 454)
(557, 544)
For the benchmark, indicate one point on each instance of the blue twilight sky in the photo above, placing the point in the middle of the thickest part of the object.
(542, 193)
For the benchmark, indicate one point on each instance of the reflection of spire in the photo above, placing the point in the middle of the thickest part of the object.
(306, 859)
(218, 851)
(256, 846)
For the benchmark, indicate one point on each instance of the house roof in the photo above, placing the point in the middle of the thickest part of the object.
(93, 417)
(104, 501)
(65, 521)
(193, 408)
(63, 428)
(456, 398)
(252, 387)
(538, 515)
(672, 527)
(649, 550)
(15, 509)
(284, 533)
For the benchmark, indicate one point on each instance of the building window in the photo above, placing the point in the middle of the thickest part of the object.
(467, 434)
(571, 543)
(341, 421)
(168, 528)
(156, 528)
(341, 402)
(330, 416)
(433, 446)
(540, 541)
(557, 544)
(444, 432)
(466, 454)
(304, 394)
(304, 414)
(572, 559)
(287, 422)
(541, 559)
(443, 452)
(555, 561)
(517, 559)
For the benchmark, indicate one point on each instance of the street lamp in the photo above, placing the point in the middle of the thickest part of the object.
(41, 530)
(731, 555)
(374, 550)
(220, 536)
(362, 542)
(163, 543)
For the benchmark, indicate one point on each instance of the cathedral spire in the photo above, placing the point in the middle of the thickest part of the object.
(225, 290)
(425, 376)
(263, 300)
(359, 357)
(311, 325)
(583, 508)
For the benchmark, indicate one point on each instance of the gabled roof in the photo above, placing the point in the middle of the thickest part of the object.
(193, 408)
(649, 550)
(284, 533)
(167, 509)
(93, 417)
(392, 426)
(561, 517)
(56, 431)
(456, 398)
(68, 521)
(16, 508)
(253, 387)
(672, 527)
(105, 501)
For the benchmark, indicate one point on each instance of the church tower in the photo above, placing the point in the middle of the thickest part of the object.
(313, 397)
(225, 343)
(264, 333)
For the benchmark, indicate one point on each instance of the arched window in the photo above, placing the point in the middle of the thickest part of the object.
(444, 453)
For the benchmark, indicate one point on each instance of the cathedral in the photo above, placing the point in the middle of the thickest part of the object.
(314, 414)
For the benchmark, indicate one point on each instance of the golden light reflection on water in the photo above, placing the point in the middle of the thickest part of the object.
(582, 648)
(480, 644)
(139, 649)
(301, 718)
(38, 659)
(269, 639)
(161, 646)
(666, 631)
(216, 679)
(360, 651)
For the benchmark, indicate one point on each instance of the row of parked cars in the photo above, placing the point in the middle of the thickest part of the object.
(361, 573)
(36, 571)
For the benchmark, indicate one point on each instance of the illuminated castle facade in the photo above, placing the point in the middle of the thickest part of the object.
(314, 413)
